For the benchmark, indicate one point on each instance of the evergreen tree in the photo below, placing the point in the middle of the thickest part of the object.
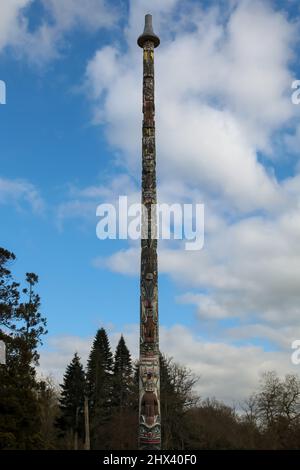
(33, 324)
(71, 421)
(21, 328)
(122, 378)
(99, 382)
(121, 429)
(9, 292)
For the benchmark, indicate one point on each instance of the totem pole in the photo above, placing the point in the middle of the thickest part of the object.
(149, 376)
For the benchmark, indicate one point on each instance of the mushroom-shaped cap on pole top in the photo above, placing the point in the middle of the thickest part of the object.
(148, 34)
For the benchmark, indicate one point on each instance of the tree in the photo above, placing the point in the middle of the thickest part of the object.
(9, 292)
(99, 386)
(21, 323)
(48, 402)
(212, 425)
(276, 410)
(21, 328)
(71, 421)
(177, 397)
(122, 425)
(122, 376)
(34, 325)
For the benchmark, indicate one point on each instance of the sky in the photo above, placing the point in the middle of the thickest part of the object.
(228, 136)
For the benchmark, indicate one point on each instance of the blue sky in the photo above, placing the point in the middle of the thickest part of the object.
(47, 139)
(228, 136)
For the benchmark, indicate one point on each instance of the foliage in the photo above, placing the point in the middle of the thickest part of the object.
(71, 420)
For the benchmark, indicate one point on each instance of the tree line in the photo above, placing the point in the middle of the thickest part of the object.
(97, 407)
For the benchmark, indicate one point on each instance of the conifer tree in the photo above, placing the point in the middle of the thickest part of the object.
(122, 378)
(71, 421)
(9, 292)
(21, 328)
(34, 325)
(121, 429)
(99, 383)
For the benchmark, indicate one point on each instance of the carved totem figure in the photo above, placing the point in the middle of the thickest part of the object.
(149, 382)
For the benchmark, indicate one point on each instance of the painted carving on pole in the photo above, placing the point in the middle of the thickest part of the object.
(149, 402)
(149, 374)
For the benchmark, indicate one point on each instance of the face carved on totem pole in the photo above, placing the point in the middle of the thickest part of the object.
(149, 376)
(149, 408)
(149, 327)
(149, 310)
(149, 287)
(149, 402)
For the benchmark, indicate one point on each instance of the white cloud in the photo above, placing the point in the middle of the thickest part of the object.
(11, 20)
(123, 262)
(227, 372)
(223, 94)
(47, 40)
(59, 350)
(92, 14)
(81, 203)
(207, 306)
(18, 192)
(223, 90)
(293, 141)
(249, 269)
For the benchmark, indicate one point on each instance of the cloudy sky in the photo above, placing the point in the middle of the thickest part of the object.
(228, 136)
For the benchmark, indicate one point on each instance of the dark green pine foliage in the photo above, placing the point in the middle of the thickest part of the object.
(100, 383)
(9, 292)
(21, 328)
(122, 427)
(122, 378)
(71, 420)
(34, 324)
